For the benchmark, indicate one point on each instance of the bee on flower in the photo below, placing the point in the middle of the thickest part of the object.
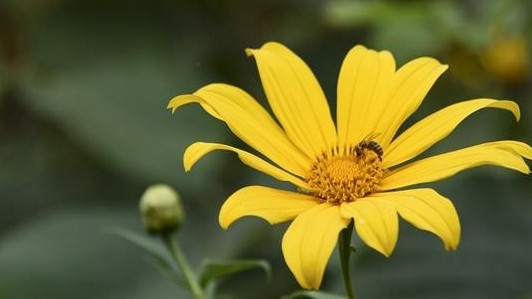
(369, 143)
(345, 176)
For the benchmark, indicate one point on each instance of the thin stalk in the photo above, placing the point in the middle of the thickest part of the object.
(178, 256)
(344, 246)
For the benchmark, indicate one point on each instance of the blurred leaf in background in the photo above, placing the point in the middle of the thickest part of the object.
(83, 130)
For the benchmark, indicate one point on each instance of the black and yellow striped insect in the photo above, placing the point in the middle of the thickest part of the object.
(369, 143)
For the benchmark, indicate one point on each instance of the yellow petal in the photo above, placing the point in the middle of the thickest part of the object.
(411, 83)
(199, 149)
(437, 126)
(180, 100)
(296, 98)
(508, 154)
(376, 223)
(273, 205)
(309, 242)
(250, 122)
(363, 89)
(426, 210)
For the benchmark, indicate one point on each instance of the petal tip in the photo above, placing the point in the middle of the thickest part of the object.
(515, 110)
(360, 47)
(441, 68)
(387, 252)
(187, 164)
(452, 244)
(172, 105)
(451, 247)
(181, 100)
(249, 51)
(223, 220)
(224, 226)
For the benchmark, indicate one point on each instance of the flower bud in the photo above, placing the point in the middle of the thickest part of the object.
(161, 209)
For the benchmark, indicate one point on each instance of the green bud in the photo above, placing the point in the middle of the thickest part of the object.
(161, 209)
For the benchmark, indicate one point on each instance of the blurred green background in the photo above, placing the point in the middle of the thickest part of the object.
(84, 130)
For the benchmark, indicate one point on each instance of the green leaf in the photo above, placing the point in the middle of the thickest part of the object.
(141, 241)
(312, 295)
(148, 244)
(63, 254)
(160, 258)
(212, 270)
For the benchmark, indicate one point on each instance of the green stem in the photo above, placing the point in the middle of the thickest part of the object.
(178, 256)
(344, 246)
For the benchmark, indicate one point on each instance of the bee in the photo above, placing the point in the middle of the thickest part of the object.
(369, 143)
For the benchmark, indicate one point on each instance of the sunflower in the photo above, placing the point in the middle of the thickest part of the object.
(354, 171)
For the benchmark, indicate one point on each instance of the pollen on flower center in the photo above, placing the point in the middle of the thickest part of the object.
(344, 178)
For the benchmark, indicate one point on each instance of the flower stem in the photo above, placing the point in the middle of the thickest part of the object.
(177, 254)
(344, 246)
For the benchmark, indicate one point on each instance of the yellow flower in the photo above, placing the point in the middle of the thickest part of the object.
(354, 169)
(506, 57)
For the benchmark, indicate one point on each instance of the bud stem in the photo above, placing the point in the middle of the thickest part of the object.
(177, 254)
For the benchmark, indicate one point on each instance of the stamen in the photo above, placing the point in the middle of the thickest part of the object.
(344, 177)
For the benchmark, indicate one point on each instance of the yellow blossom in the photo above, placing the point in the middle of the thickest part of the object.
(506, 58)
(352, 170)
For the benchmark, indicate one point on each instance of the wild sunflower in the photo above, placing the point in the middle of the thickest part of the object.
(354, 170)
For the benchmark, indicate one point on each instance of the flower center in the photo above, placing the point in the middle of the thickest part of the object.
(344, 178)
